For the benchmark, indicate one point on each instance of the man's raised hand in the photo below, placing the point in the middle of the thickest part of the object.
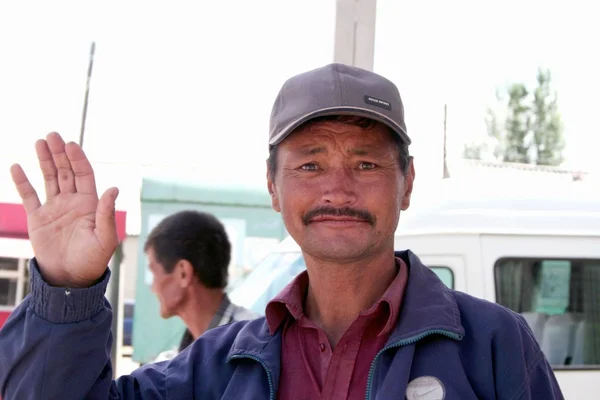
(73, 234)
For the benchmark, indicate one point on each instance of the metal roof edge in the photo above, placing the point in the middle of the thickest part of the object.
(167, 189)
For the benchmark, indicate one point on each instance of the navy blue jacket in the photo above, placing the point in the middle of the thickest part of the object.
(56, 345)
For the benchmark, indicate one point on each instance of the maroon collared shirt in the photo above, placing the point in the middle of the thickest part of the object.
(310, 368)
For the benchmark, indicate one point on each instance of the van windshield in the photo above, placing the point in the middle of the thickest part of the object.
(269, 277)
(277, 270)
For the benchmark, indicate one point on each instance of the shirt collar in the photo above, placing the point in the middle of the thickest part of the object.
(223, 314)
(289, 303)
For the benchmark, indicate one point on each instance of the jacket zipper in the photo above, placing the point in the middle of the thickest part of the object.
(410, 340)
(401, 343)
(271, 390)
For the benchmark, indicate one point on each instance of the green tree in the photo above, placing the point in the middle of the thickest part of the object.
(531, 131)
(489, 147)
(518, 122)
(473, 151)
(494, 131)
(546, 125)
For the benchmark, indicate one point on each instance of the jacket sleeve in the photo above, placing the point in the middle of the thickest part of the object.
(540, 383)
(522, 370)
(56, 345)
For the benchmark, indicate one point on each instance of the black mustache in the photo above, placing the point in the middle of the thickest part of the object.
(338, 212)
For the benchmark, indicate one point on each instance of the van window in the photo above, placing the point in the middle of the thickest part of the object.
(559, 299)
(26, 280)
(9, 264)
(269, 277)
(128, 311)
(445, 274)
(9, 276)
(8, 291)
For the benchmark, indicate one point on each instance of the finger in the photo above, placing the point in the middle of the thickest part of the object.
(82, 169)
(48, 168)
(106, 225)
(31, 202)
(66, 179)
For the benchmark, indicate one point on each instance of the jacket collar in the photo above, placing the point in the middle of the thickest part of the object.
(428, 304)
(255, 341)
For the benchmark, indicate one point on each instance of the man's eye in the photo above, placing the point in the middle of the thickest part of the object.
(366, 165)
(309, 167)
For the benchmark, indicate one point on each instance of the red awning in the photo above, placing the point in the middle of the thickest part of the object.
(4, 314)
(13, 222)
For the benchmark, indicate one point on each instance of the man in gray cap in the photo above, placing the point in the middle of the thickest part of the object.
(362, 321)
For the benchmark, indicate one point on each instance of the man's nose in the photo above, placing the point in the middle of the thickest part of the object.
(339, 187)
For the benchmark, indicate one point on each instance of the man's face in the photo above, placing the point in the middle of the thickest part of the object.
(166, 286)
(340, 190)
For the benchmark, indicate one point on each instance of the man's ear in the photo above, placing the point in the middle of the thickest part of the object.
(272, 188)
(185, 272)
(409, 179)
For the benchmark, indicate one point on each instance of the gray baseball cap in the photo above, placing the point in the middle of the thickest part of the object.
(336, 89)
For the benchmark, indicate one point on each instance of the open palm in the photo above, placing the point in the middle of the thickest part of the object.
(73, 234)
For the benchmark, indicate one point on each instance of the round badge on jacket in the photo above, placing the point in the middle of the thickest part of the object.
(425, 388)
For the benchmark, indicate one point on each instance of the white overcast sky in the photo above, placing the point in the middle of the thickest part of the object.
(192, 83)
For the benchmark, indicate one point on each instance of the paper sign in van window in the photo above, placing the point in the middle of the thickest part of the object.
(553, 294)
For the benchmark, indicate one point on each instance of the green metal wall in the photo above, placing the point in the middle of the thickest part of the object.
(247, 209)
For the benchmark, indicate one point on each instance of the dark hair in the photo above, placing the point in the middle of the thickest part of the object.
(197, 237)
(365, 123)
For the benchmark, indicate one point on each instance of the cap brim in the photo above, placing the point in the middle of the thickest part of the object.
(352, 111)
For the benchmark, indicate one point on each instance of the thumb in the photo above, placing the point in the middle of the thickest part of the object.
(106, 226)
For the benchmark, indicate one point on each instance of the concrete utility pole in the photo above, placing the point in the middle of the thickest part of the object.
(113, 296)
(114, 285)
(355, 33)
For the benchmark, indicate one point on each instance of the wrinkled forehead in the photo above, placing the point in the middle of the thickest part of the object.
(328, 134)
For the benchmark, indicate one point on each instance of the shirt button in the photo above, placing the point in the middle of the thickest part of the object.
(322, 347)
